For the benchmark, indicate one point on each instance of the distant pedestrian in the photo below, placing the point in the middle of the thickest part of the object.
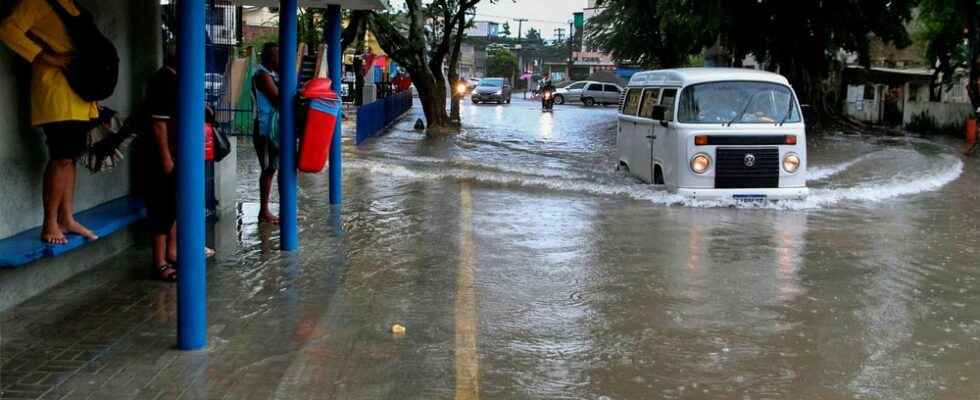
(265, 138)
(35, 32)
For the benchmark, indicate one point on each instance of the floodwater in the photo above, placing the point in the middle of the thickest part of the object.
(525, 266)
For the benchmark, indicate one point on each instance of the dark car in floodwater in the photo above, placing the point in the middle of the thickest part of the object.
(492, 90)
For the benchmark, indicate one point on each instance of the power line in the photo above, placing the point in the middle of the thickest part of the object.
(526, 19)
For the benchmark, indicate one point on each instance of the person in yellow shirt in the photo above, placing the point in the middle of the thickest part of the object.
(34, 31)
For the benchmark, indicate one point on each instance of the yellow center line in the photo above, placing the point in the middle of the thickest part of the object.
(466, 357)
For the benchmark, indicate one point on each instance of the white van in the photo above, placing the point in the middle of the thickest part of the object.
(714, 133)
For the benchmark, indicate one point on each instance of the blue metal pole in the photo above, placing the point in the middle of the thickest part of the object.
(289, 236)
(334, 61)
(192, 287)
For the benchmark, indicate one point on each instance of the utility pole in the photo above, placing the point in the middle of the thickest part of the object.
(520, 24)
(560, 34)
(571, 47)
(520, 52)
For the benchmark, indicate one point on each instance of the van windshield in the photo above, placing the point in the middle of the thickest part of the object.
(492, 83)
(737, 102)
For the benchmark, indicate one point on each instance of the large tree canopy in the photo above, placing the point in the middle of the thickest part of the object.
(801, 39)
(951, 29)
(420, 37)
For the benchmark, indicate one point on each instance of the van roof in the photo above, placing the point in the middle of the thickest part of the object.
(690, 76)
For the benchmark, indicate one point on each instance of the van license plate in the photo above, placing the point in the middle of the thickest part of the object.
(753, 198)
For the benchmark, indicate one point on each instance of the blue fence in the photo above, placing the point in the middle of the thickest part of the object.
(372, 118)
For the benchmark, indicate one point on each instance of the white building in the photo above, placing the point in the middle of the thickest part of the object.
(488, 29)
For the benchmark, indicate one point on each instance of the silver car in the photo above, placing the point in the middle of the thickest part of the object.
(492, 90)
(589, 93)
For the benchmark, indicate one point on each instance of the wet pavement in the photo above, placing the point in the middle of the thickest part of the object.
(524, 266)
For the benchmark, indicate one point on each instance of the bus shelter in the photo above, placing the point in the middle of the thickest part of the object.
(192, 287)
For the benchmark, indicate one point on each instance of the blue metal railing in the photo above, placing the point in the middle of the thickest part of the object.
(373, 118)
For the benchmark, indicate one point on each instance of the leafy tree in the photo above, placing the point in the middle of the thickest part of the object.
(505, 30)
(950, 29)
(420, 37)
(534, 37)
(801, 39)
(501, 63)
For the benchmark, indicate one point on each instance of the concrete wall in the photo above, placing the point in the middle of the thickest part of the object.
(134, 27)
(944, 113)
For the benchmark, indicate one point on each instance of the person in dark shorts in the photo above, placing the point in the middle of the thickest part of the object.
(35, 32)
(265, 90)
(158, 151)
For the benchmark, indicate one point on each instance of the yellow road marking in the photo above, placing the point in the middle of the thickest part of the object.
(467, 360)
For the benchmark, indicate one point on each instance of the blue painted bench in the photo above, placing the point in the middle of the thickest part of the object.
(26, 247)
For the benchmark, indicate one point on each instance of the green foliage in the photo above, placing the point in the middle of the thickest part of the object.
(945, 26)
(534, 37)
(661, 33)
(501, 63)
(801, 38)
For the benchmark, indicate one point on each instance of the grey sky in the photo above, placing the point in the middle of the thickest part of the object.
(543, 15)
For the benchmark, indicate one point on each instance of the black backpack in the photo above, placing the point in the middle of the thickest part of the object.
(94, 68)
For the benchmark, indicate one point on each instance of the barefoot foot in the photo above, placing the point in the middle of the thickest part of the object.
(78, 229)
(268, 218)
(53, 235)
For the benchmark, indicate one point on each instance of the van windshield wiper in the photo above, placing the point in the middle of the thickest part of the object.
(789, 111)
(746, 109)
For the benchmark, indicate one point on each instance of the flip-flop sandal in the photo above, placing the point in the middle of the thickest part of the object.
(166, 273)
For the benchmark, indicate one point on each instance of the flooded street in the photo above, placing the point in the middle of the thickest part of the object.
(525, 266)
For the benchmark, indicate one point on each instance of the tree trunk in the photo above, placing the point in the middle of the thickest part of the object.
(454, 109)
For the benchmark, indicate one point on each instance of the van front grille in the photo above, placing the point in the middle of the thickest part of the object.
(747, 168)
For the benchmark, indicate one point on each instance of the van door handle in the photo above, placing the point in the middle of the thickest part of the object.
(652, 137)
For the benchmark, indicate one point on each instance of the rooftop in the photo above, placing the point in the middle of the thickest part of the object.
(689, 76)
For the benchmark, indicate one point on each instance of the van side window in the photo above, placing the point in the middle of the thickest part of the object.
(632, 102)
(595, 87)
(650, 98)
(667, 100)
(611, 88)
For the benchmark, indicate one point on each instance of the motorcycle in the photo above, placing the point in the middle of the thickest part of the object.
(547, 101)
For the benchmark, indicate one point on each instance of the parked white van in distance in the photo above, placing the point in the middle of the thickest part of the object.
(714, 134)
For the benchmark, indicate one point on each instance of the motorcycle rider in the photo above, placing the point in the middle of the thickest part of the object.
(547, 91)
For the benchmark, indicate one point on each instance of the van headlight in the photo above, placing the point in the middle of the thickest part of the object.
(791, 163)
(700, 163)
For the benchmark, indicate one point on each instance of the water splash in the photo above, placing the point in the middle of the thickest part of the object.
(915, 172)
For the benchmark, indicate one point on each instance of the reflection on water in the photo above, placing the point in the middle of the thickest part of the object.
(588, 286)
(524, 266)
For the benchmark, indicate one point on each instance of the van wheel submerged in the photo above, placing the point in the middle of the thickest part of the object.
(588, 101)
(658, 175)
(559, 99)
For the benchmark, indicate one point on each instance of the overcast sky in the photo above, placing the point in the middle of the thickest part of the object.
(543, 15)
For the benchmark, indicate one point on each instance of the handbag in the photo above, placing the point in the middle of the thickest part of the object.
(106, 140)
(222, 144)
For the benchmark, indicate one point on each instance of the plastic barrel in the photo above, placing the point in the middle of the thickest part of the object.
(321, 120)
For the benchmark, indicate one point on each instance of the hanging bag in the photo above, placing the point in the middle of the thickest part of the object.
(94, 68)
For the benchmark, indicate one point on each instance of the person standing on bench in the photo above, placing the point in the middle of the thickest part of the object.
(34, 31)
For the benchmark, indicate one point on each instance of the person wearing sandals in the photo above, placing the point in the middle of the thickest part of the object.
(34, 31)
(159, 150)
